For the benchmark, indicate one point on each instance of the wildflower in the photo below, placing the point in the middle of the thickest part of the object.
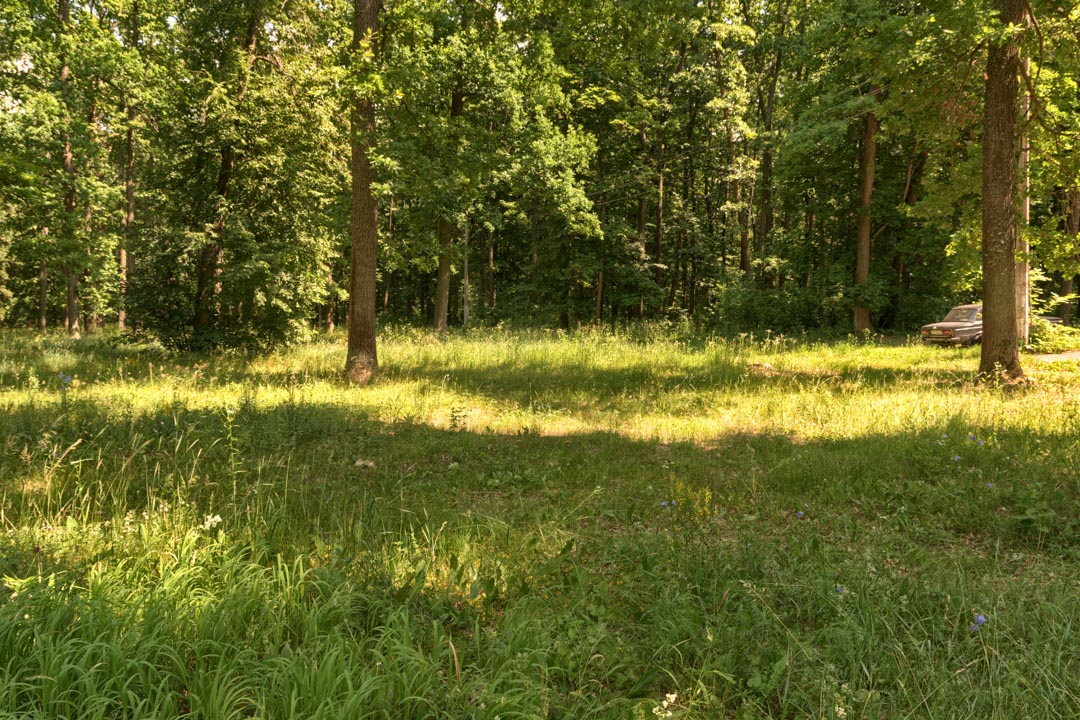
(990, 486)
(944, 436)
(839, 589)
(971, 437)
(981, 443)
(211, 522)
(664, 504)
(800, 514)
(956, 458)
(980, 620)
(37, 549)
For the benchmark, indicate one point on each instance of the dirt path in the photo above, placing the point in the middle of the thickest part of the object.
(1058, 357)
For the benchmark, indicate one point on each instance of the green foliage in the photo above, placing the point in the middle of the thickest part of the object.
(608, 162)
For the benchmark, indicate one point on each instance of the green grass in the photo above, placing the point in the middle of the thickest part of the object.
(537, 526)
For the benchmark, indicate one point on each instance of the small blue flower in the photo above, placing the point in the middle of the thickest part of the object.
(956, 458)
(944, 436)
(973, 627)
(981, 443)
(664, 504)
(990, 486)
(839, 589)
(673, 503)
(800, 514)
(971, 438)
(980, 619)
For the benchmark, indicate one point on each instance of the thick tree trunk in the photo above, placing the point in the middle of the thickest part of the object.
(361, 360)
(862, 241)
(1000, 355)
(1023, 269)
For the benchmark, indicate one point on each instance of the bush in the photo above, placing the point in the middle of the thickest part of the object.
(1048, 337)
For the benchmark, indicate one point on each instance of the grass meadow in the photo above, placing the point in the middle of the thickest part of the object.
(537, 525)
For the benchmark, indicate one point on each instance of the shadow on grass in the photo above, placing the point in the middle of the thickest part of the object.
(322, 461)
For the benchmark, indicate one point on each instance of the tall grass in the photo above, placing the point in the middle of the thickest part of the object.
(536, 525)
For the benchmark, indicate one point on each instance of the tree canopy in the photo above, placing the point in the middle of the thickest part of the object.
(183, 167)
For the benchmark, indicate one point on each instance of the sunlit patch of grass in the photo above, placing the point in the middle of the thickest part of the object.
(536, 525)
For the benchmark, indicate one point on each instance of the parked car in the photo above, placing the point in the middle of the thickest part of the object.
(961, 326)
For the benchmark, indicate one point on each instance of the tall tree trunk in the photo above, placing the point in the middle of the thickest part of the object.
(1072, 230)
(207, 285)
(331, 307)
(442, 277)
(446, 236)
(465, 277)
(999, 341)
(211, 257)
(862, 241)
(129, 185)
(43, 295)
(658, 235)
(765, 214)
(73, 312)
(71, 309)
(361, 360)
(491, 268)
(1023, 269)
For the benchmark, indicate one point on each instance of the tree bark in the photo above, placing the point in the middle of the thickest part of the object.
(465, 277)
(129, 186)
(446, 237)
(361, 361)
(442, 277)
(71, 309)
(210, 258)
(658, 235)
(1023, 269)
(43, 295)
(1000, 355)
(1072, 230)
(491, 268)
(862, 241)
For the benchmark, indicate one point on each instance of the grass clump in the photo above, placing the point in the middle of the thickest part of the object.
(536, 525)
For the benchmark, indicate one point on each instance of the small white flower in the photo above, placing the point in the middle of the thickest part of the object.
(211, 522)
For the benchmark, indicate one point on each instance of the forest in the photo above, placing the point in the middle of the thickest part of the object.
(653, 436)
(182, 168)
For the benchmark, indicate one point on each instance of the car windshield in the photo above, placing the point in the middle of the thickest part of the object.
(960, 314)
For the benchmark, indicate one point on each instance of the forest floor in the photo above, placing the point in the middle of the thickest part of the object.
(536, 525)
